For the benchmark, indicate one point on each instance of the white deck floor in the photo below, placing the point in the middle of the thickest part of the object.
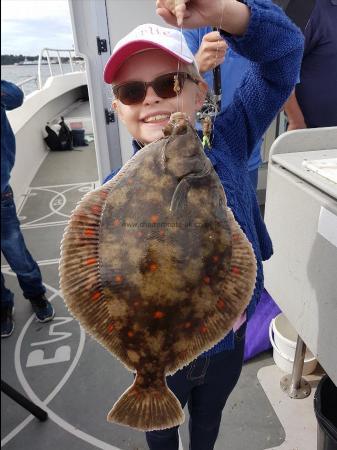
(296, 416)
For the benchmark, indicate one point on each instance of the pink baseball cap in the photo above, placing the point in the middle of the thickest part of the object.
(144, 37)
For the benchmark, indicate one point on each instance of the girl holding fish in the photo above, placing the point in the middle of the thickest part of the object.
(143, 72)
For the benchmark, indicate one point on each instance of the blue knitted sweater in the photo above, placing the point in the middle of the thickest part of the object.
(274, 45)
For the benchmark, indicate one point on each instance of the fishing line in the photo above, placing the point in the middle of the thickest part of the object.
(177, 86)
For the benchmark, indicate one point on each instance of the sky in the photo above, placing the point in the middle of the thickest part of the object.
(27, 26)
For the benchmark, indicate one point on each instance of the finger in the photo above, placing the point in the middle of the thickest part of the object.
(161, 4)
(180, 8)
(219, 61)
(167, 16)
(219, 43)
(175, 8)
(213, 36)
(214, 62)
(211, 63)
(213, 47)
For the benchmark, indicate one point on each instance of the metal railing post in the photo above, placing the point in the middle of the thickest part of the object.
(294, 385)
(71, 61)
(60, 62)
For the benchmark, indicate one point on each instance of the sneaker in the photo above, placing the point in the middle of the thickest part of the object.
(43, 309)
(7, 321)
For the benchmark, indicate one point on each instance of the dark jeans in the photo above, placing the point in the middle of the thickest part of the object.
(15, 251)
(205, 385)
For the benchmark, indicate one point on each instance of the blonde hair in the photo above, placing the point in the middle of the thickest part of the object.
(192, 69)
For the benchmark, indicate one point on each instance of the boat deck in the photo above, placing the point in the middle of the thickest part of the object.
(77, 381)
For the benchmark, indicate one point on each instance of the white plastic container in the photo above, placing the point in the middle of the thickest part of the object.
(283, 338)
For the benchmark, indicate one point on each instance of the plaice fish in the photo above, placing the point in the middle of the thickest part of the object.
(155, 268)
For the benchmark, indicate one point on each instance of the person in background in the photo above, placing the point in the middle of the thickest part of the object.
(313, 102)
(13, 245)
(210, 50)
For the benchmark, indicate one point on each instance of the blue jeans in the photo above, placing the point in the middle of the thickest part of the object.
(15, 251)
(205, 385)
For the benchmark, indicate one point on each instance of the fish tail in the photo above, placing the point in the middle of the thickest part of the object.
(147, 409)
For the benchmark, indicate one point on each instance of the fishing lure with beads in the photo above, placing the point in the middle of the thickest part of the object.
(206, 131)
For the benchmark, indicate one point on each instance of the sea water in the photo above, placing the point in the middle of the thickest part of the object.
(17, 74)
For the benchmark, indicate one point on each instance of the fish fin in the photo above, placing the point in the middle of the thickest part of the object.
(147, 409)
(79, 271)
(179, 198)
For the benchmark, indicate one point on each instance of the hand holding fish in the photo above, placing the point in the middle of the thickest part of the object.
(199, 13)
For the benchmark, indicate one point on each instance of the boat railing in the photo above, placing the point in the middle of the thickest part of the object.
(54, 58)
(22, 84)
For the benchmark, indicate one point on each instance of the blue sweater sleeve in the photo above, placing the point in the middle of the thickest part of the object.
(11, 95)
(274, 45)
(111, 175)
(192, 39)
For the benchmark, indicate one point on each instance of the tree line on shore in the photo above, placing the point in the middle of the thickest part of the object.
(14, 59)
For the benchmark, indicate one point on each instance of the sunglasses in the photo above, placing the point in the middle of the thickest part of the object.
(165, 86)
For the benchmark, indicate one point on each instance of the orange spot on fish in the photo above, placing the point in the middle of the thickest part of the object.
(110, 327)
(116, 222)
(130, 333)
(96, 209)
(154, 218)
(235, 237)
(207, 280)
(89, 232)
(158, 315)
(91, 261)
(236, 270)
(130, 181)
(96, 295)
(153, 267)
(215, 258)
(220, 303)
(203, 329)
(118, 278)
(103, 194)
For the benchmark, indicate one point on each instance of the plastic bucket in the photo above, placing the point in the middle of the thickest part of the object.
(283, 338)
(325, 406)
